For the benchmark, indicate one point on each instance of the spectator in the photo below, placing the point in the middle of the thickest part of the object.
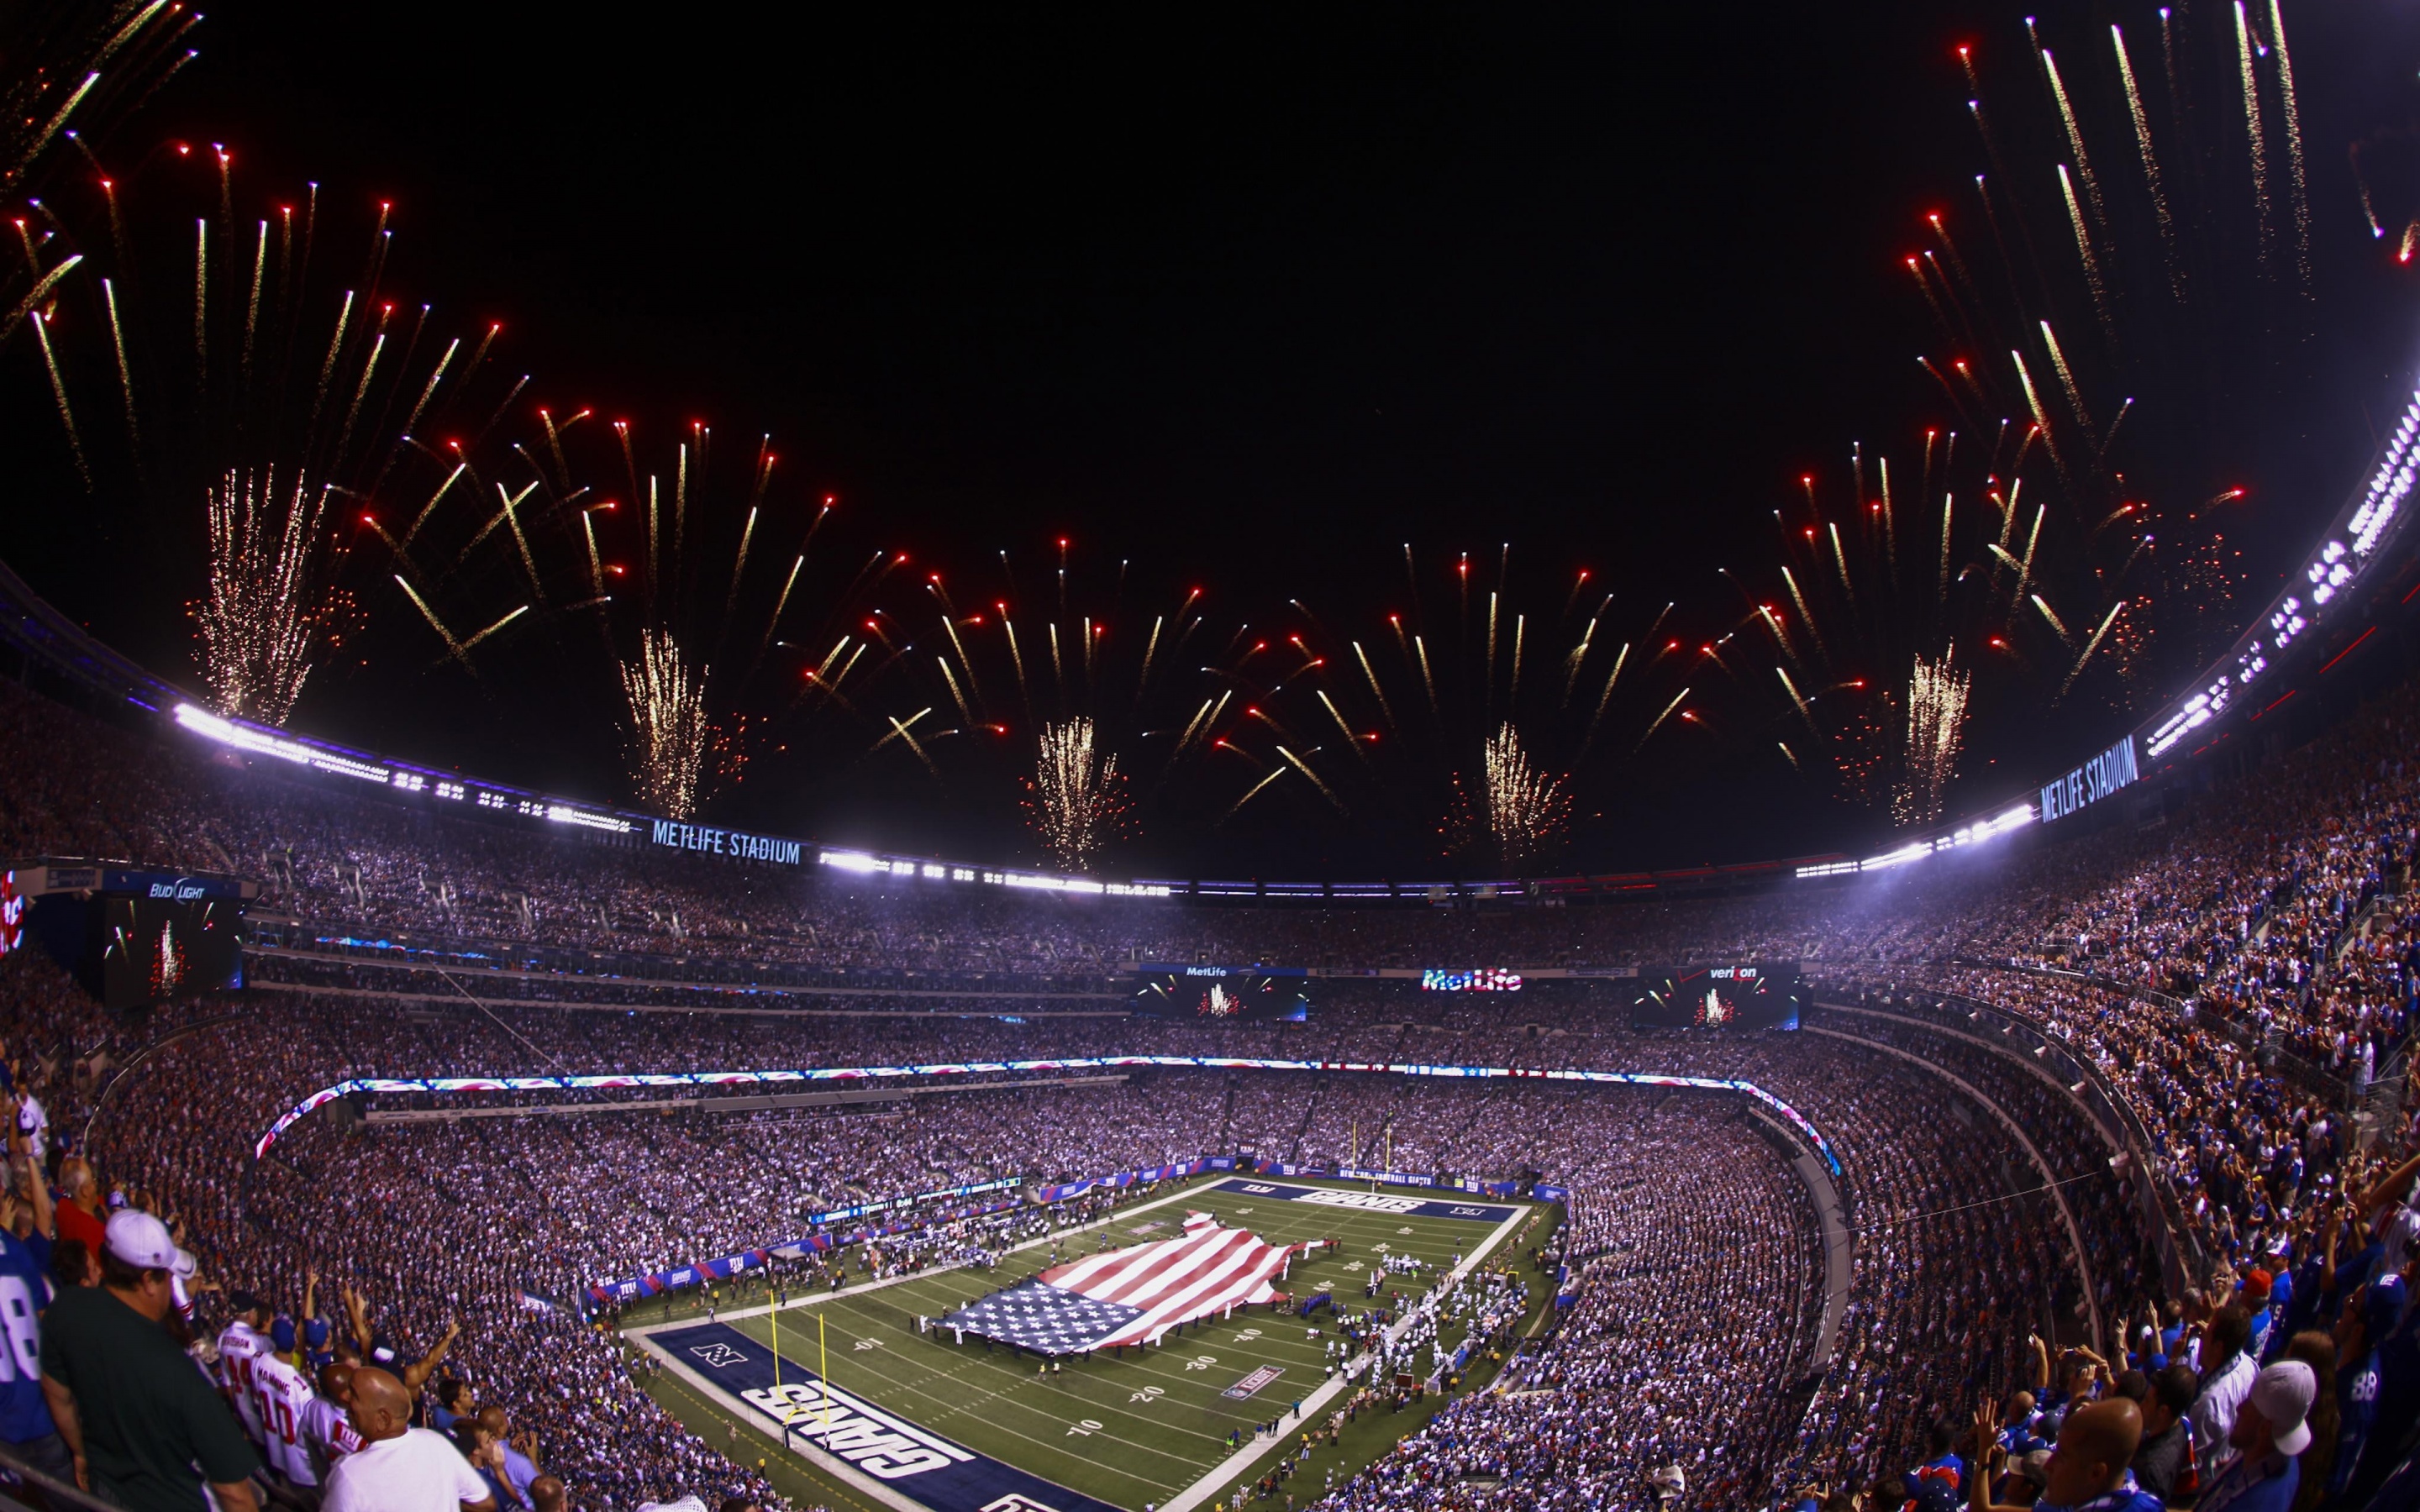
(2086, 1471)
(517, 1471)
(2319, 1456)
(2270, 1430)
(2166, 1438)
(81, 1217)
(2227, 1374)
(400, 1468)
(25, 1290)
(327, 1429)
(137, 1417)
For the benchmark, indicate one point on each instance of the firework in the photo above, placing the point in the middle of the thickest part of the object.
(696, 585)
(1077, 804)
(264, 613)
(1526, 810)
(2033, 583)
(1937, 693)
(200, 357)
(670, 735)
(73, 70)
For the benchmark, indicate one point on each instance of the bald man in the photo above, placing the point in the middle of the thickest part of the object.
(2088, 1465)
(400, 1468)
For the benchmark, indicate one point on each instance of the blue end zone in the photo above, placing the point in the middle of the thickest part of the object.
(1380, 1202)
(923, 1466)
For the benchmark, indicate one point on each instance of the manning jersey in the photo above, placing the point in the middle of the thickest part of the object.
(240, 1349)
(282, 1396)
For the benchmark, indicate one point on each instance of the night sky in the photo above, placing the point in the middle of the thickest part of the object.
(1249, 302)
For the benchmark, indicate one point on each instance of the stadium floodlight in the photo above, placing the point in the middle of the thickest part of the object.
(261, 742)
(1914, 851)
(562, 813)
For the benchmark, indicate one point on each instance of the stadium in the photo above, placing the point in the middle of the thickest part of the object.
(1944, 1040)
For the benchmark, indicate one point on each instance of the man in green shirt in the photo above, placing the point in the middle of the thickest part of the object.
(144, 1425)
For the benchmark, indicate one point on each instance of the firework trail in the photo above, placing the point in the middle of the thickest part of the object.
(2066, 377)
(2151, 164)
(2291, 119)
(2084, 254)
(2252, 126)
(2075, 140)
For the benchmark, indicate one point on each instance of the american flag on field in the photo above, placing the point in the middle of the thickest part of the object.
(1132, 1296)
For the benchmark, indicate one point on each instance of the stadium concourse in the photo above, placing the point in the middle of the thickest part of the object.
(2116, 1117)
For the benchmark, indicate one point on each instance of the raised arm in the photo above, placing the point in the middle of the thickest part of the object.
(37, 1191)
(2389, 1187)
(357, 1313)
(417, 1375)
(1987, 1441)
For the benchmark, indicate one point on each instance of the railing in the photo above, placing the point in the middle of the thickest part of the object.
(2259, 1042)
(2182, 1260)
(16, 1478)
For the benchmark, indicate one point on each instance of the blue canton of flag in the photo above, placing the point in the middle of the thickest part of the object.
(1043, 1318)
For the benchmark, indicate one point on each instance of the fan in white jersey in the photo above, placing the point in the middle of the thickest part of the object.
(241, 1346)
(283, 1396)
(327, 1431)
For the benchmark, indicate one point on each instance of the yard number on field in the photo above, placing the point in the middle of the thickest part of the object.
(1087, 1427)
(1202, 1362)
(1148, 1394)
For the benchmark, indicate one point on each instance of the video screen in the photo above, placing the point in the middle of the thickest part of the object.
(1222, 995)
(156, 949)
(1720, 997)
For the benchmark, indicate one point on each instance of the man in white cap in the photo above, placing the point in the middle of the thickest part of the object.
(2269, 1432)
(143, 1425)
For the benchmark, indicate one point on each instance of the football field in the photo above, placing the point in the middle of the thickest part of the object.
(1154, 1427)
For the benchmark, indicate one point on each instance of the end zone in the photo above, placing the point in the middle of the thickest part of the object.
(1328, 1196)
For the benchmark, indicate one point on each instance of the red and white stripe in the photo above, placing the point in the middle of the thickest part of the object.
(1175, 1281)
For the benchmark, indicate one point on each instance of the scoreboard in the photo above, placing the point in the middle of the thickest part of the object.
(1760, 996)
(1221, 993)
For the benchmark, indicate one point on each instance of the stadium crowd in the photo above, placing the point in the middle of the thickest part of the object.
(2237, 977)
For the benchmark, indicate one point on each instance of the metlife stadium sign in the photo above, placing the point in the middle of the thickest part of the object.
(738, 845)
(2091, 782)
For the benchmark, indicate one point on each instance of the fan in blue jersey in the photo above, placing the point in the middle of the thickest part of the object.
(24, 1292)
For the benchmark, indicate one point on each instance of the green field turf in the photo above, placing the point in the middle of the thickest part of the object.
(1131, 1430)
